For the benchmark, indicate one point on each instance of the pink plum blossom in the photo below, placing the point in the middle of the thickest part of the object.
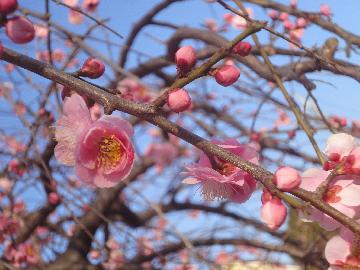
(132, 90)
(341, 253)
(225, 181)
(342, 194)
(75, 17)
(162, 153)
(343, 153)
(325, 10)
(100, 150)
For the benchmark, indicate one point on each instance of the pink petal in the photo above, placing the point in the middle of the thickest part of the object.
(75, 119)
(341, 144)
(350, 195)
(337, 249)
(118, 122)
(190, 181)
(312, 178)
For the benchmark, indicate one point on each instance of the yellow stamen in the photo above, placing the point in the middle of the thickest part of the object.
(110, 152)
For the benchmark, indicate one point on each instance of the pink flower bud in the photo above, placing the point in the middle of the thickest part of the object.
(242, 48)
(20, 30)
(92, 68)
(273, 14)
(8, 6)
(178, 100)
(185, 59)
(227, 75)
(53, 198)
(91, 5)
(325, 10)
(273, 213)
(284, 16)
(287, 178)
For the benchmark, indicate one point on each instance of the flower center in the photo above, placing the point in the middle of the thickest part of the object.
(331, 194)
(110, 152)
(226, 168)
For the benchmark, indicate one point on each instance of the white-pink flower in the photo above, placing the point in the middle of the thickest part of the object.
(220, 179)
(100, 150)
(342, 194)
(340, 252)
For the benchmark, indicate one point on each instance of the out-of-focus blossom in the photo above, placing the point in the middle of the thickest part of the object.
(20, 30)
(75, 17)
(162, 153)
(91, 5)
(8, 6)
(133, 90)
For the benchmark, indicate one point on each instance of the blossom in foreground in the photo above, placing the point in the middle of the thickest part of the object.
(100, 150)
(220, 179)
(343, 153)
(342, 194)
(342, 252)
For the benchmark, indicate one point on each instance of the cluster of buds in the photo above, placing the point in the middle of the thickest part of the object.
(18, 28)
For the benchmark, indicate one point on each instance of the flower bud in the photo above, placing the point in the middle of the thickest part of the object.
(273, 14)
(227, 75)
(91, 5)
(8, 6)
(92, 68)
(178, 100)
(20, 30)
(273, 213)
(185, 59)
(325, 10)
(301, 23)
(284, 16)
(287, 178)
(242, 48)
(53, 198)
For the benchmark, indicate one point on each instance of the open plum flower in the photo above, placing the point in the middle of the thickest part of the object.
(100, 150)
(223, 180)
(342, 194)
(342, 251)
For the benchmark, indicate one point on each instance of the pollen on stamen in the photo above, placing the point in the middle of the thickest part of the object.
(110, 152)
